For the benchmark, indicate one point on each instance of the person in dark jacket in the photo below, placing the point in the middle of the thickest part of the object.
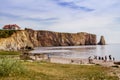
(110, 58)
(99, 58)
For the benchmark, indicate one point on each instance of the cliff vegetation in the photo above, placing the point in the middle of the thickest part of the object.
(6, 33)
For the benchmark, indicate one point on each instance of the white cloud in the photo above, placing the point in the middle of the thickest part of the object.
(103, 20)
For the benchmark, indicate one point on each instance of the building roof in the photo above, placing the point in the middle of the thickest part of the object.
(11, 26)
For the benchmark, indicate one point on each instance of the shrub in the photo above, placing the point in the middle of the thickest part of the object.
(6, 33)
(11, 67)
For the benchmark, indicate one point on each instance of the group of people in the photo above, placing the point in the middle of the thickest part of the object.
(105, 58)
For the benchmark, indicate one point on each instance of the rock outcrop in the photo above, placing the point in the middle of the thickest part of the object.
(102, 41)
(29, 38)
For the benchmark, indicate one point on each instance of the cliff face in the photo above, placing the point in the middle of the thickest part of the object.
(29, 39)
(17, 41)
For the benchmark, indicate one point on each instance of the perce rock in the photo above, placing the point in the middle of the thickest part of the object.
(102, 41)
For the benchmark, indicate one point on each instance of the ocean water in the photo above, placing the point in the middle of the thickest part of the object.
(81, 51)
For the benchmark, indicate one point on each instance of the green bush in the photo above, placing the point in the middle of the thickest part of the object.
(6, 33)
(11, 67)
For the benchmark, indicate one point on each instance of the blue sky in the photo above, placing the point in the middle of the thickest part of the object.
(92, 16)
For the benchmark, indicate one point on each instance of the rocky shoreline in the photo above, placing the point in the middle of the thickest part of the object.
(63, 60)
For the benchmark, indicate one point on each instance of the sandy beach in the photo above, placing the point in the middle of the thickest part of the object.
(81, 61)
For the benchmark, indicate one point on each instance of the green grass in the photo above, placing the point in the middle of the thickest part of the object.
(11, 67)
(6, 33)
(9, 53)
(51, 71)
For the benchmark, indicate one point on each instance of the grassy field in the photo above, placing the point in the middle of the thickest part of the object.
(51, 71)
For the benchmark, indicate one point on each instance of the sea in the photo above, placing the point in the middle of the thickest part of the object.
(81, 51)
